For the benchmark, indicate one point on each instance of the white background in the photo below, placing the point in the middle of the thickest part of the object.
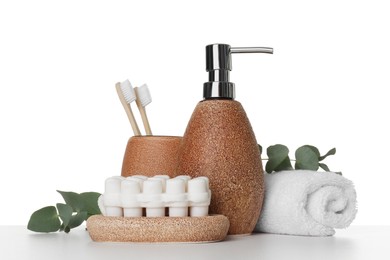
(62, 126)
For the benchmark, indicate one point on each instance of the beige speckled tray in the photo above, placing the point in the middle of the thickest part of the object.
(161, 229)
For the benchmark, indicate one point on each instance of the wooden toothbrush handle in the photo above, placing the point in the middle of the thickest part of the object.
(142, 112)
(128, 111)
(145, 120)
(133, 123)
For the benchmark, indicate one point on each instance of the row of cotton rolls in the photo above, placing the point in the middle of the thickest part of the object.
(129, 196)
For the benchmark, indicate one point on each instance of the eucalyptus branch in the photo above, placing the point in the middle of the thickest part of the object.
(78, 208)
(307, 157)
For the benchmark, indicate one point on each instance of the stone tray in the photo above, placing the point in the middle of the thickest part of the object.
(211, 228)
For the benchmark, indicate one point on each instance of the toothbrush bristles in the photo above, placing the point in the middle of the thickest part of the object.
(144, 95)
(128, 91)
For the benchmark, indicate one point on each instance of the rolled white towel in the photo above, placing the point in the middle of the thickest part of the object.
(308, 203)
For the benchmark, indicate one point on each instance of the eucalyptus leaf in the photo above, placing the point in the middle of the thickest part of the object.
(90, 201)
(77, 219)
(330, 152)
(324, 167)
(278, 159)
(313, 148)
(261, 149)
(307, 158)
(285, 165)
(65, 212)
(74, 200)
(44, 220)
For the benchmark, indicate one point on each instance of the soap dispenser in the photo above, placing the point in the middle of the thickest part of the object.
(219, 143)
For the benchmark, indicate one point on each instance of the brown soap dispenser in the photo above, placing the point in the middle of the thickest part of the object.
(219, 143)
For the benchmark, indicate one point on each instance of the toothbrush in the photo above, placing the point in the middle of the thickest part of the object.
(127, 95)
(143, 98)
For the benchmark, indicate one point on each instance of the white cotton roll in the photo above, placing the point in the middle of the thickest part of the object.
(199, 197)
(207, 181)
(185, 178)
(162, 178)
(139, 180)
(114, 212)
(175, 186)
(178, 211)
(176, 198)
(155, 212)
(197, 185)
(113, 185)
(112, 197)
(153, 186)
(199, 211)
(152, 192)
(112, 192)
(132, 212)
(130, 189)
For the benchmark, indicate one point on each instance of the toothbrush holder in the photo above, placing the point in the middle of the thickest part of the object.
(151, 155)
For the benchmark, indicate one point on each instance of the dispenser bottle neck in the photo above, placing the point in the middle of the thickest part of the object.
(219, 65)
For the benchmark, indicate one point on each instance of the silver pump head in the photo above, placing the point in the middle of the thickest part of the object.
(219, 65)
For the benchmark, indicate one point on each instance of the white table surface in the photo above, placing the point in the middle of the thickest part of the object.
(356, 242)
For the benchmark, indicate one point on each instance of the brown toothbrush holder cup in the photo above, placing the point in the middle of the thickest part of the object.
(151, 155)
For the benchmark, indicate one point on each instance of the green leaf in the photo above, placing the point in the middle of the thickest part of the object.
(330, 152)
(261, 149)
(278, 159)
(44, 220)
(324, 167)
(65, 212)
(307, 158)
(90, 201)
(74, 200)
(77, 219)
(339, 173)
(313, 148)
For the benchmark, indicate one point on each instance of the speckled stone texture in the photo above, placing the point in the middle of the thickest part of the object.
(219, 143)
(151, 155)
(160, 229)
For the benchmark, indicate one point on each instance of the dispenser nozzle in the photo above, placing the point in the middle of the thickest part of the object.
(219, 64)
(251, 50)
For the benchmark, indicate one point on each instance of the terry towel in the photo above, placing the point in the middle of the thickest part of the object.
(308, 203)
